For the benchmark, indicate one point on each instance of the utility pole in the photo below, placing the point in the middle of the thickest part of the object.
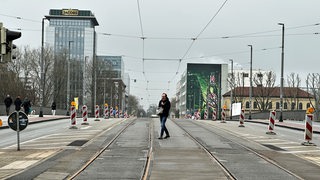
(281, 79)
(41, 69)
(250, 90)
(231, 92)
(68, 81)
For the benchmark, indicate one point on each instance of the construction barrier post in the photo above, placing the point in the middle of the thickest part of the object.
(214, 114)
(206, 114)
(84, 115)
(308, 131)
(223, 116)
(242, 116)
(106, 112)
(272, 120)
(97, 113)
(111, 112)
(117, 113)
(73, 118)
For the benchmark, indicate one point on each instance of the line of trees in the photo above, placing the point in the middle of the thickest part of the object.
(22, 77)
(264, 84)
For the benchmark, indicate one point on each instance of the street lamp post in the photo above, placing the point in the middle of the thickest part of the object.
(250, 90)
(41, 69)
(281, 79)
(68, 80)
(231, 92)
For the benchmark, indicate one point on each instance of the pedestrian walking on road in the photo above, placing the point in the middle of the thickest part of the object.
(18, 103)
(53, 108)
(8, 102)
(165, 105)
(26, 106)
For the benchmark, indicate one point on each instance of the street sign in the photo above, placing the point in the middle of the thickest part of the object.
(23, 121)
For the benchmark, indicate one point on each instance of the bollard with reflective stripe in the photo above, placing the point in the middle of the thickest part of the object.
(106, 112)
(73, 118)
(308, 131)
(111, 112)
(97, 113)
(242, 116)
(223, 116)
(214, 114)
(85, 115)
(206, 114)
(272, 119)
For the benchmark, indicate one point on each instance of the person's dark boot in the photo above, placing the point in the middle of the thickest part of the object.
(167, 136)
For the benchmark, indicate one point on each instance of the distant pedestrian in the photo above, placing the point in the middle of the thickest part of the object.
(164, 103)
(8, 102)
(17, 103)
(26, 105)
(53, 108)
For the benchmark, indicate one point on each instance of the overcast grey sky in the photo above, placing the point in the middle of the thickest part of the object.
(169, 25)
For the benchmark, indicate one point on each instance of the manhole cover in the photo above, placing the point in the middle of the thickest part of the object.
(273, 147)
(78, 143)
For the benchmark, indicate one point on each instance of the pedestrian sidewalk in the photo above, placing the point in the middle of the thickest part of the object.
(33, 119)
(297, 125)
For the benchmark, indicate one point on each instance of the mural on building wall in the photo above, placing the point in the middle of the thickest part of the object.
(203, 88)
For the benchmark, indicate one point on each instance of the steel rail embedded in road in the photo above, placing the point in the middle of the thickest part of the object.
(226, 171)
(150, 153)
(98, 153)
(249, 149)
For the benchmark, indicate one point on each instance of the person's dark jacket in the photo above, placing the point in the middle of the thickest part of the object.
(8, 101)
(166, 107)
(53, 106)
(18, 103)
(26, 105)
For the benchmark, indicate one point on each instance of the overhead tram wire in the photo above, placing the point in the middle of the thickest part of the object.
(199, 34)
(143, 45)
(21, 18)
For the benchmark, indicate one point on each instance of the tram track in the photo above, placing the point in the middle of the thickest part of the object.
(146, 168)
(227, 171)
(254, 152)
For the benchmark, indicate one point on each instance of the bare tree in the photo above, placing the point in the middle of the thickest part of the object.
(294, 82)
(313, 87)
(264, 89)
(133, 105)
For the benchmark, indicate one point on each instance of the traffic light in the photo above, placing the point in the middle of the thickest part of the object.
(7, 46)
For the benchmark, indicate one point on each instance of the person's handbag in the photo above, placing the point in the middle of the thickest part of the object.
(159, 111)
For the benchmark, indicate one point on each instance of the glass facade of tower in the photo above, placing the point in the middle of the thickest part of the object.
(71, 34)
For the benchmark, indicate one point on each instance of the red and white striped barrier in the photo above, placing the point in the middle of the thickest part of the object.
(206, 114)
(214, 115)
(271, 125)
(73, 118)
(308, 131)
(117, 114)
(111, 112)
(198, 115)
(223, 116)
(242, 116)
(106, 112)
(85, 115)
(97, 113)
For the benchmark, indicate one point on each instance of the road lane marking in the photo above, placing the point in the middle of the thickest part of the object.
(285, 142)
(306, 151)
(293, 147)
(264, 140)
(41, 154)
(19, 164)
